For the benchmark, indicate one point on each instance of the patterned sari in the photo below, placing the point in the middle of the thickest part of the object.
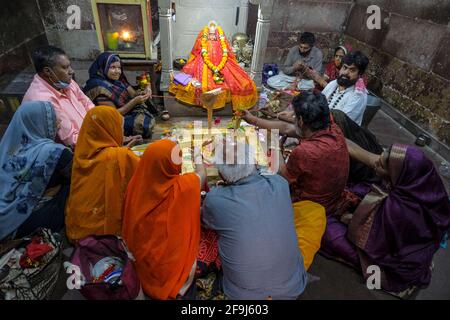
(99, 88)
(28, 158)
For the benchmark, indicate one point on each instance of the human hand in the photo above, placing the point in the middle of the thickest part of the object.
(248, 117)
(140, 99)
(147, 90)
(269, 113)
(138, 139)
(309, 71)
(286, 114)
(131, 141)
(299, 65)
(313, 74)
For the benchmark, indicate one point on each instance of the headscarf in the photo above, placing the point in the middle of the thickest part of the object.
(343, 48)
(28, 158)
(101, 170)
(99, 83)
(162, 221)
(401, 230)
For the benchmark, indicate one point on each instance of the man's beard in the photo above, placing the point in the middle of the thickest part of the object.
(305, 54)
(345, 82)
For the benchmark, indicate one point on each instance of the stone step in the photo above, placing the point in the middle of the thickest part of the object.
(178, 109)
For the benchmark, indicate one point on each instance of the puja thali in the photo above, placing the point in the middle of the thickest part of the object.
(207, 141)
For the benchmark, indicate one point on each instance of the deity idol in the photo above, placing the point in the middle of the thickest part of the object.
(213, 64)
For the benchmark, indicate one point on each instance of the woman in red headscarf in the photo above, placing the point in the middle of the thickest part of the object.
(332, 69)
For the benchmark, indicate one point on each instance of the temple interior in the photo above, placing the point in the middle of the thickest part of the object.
(234, 50)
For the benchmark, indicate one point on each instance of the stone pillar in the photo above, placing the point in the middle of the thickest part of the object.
(243, 16)
(165, 29)
(261, 37)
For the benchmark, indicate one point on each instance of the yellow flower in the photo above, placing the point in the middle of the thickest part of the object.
(205, 55)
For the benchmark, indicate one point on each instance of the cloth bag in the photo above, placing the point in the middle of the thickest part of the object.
(121, 284)
(269, 70)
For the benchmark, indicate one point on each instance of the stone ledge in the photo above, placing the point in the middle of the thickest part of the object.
(178, 109)
(436, 145)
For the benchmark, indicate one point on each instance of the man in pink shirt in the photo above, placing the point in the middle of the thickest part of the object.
(53, 82)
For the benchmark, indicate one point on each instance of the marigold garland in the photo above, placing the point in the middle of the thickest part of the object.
(217, 77)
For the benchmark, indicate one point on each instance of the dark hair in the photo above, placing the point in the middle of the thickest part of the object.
(45, 57)
(337, 49)
(307, 37)
(313, 109)
(358, 58)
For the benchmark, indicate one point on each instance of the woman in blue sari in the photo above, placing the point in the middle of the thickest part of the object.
(107, 85)
(34, 172)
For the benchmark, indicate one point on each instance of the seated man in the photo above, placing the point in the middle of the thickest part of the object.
(253, 216)
(299, 60)
(53, 83)
(318, 167)
(348, 92)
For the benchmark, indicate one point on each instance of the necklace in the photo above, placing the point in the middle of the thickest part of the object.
(336, 101)
(217, 76)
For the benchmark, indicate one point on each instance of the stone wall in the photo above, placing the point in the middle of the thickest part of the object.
(80, 44)
(21, 30)
(326, 19)
(409, 56)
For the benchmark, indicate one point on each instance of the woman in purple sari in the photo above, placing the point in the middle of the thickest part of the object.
(398, 228)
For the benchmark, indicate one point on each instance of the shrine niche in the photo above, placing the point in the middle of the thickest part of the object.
(124, 27)
(213, 66)
(251, 56)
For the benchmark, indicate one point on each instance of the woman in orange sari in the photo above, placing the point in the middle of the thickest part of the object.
(161, 223)
(101, 170)
(213, 64)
